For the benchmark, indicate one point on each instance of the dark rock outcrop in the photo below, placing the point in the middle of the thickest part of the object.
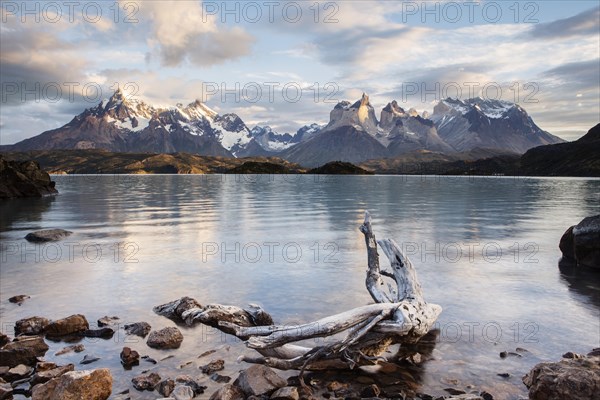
(24, 179)
(580, 244)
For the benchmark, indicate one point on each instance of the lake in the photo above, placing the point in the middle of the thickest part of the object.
(485, 249)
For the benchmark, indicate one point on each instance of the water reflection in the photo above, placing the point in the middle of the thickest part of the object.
(581, 281)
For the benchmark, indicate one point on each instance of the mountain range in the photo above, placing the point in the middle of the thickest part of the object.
(353, 134)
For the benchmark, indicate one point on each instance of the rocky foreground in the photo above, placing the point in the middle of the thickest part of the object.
(24, 179)
(25, 372)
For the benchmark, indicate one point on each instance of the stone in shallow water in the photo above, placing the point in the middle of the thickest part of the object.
(259, 380)
(213, 366)
(23, 350)
(72, 324)
(19, 299)
(166, 338)
(77, 348)
(31, 326)
(141, 329)
(47, 235)
(146, 382)
(107, 321)
(76, 385)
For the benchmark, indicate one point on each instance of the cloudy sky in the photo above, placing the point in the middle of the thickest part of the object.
(286, 64)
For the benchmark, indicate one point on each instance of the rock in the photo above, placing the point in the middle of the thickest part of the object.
(504, 375)
(138, 328)
(107, 321)
(286, 393)
(166, 338)
(44, 391)
(19, 299)
(6, 391)
(24, 179)
(104, 333)
(23, 350)
(77, 348)
(31, 326)
(228, 392)
(371, 391)
(213, 314)
(129, 357)
(44, 366)
(573, 379)
(175, 309)
(67, 326)
(21, 371)
(146, 382)
(335, 385)
(455, 392)
(213, 366)
(581, 243)
(259, 380)
(165, 387)
(47, 235)
(191, 382)
(3, 339)
(45, 376)
(75, 385)
(220, 378)
(88, 359)
(570, 354)
(182, 392)
(149, 359)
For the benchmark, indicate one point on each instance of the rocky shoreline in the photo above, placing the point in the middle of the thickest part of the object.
(24, 179)
(24, 371)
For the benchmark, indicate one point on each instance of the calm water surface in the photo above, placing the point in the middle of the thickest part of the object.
(486, 250)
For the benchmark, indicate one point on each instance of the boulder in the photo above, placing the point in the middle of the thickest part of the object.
(6, 391)
(47, 235)
(141, 329)
(31, 326)
(75, 385)
(45, 375)
(23, 350)
(259, 380)
(228, 392)
(581, 243)
(573, 379)
(67, 326)
(166, 338)
(24, 179)
(146, 382)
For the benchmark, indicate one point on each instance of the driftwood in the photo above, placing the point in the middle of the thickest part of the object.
(399, 315)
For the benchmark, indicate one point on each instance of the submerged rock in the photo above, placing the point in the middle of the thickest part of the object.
(47, 235)
(166, 338)
(581, 243)
(77, 348)
(573, 379)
